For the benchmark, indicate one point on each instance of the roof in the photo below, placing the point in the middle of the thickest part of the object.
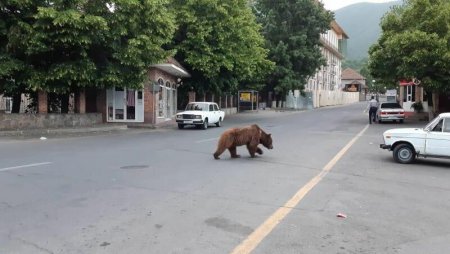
(351, 74)
(358, 82)
(173, 67)
(338, 29)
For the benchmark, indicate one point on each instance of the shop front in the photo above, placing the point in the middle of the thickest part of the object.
(408, 94)
(167, 99)
(156, 102)
(125, 105)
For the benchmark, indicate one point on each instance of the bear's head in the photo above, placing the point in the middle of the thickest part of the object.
(266, 140)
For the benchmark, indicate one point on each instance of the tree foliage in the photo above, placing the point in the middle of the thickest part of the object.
(61, 45)
(15, 18)
(415, 43)
(292, 30)
(220, 43)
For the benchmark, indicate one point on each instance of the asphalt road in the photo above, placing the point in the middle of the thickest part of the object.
(161, 191)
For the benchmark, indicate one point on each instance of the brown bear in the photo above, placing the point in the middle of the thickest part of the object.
(251, 136)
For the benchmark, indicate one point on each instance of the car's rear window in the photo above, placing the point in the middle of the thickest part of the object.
(390, 105)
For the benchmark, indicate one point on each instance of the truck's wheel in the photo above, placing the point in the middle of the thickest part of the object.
(180, 126)
(404, 154)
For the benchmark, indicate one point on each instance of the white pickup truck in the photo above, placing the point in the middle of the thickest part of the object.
(200, 114)
(408, 143)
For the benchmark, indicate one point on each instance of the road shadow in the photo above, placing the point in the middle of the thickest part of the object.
(429, 162)
(433, 163)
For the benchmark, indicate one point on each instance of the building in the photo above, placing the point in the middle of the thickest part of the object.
(352, 81)
(334, 43)
(155, 103)
(324, 85)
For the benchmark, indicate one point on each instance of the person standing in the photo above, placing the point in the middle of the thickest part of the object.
(372, 107)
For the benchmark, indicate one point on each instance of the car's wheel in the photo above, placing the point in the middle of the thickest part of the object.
(401, 120)
(219, 123)
(205, 124)
(180, 126)
(404, 153)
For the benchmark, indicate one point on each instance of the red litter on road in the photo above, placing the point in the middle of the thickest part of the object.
(341, 215)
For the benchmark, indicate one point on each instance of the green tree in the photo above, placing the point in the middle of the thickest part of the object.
(292, 30)
(78, 43)
(63, 45)
(15, 18)
(354, 64)
(220, 43)
(415, 43)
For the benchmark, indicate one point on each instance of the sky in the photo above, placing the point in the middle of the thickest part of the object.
(337, 4)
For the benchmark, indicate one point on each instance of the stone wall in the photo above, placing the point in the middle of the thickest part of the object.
(33, 121)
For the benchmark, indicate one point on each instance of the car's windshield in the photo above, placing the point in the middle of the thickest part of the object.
(432, 123)
(390, 105)
(196, 107)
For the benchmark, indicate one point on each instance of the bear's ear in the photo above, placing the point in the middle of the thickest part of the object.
(269, 134)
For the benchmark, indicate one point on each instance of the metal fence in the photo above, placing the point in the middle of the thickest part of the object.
(5, 104)
(26, 105)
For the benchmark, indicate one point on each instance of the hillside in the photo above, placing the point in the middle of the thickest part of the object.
(361, 23)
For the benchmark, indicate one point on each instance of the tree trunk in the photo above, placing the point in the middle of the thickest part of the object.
(17, 99)
(435, 104)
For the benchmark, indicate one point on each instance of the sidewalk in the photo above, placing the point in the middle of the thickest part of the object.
(67, 131)
(114, 127)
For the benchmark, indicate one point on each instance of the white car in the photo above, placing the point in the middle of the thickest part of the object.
(408, 143)
(390, 111)
(200, 114)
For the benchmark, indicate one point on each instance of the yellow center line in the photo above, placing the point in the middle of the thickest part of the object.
(255, 238)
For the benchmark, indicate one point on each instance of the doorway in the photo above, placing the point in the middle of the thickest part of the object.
(409, 97)
(125, 105)
(167, 100)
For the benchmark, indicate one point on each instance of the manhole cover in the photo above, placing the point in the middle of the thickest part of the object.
(134, 167)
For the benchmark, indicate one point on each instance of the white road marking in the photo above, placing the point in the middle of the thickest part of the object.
(25, 166)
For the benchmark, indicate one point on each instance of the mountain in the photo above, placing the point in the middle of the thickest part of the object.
(361, 22)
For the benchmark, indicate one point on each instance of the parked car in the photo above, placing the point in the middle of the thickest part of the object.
(390, 111)
(200, 114)
(408, 143)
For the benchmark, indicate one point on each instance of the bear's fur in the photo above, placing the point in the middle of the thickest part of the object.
(251, 136)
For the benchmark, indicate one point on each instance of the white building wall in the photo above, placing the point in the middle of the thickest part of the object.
(328, 78)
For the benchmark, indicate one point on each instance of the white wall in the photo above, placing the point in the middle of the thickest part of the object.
(316, 99)
(332, 98)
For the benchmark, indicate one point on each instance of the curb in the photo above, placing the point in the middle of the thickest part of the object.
(36, 132)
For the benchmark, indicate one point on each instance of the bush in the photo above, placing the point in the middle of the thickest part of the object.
(417, 106)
